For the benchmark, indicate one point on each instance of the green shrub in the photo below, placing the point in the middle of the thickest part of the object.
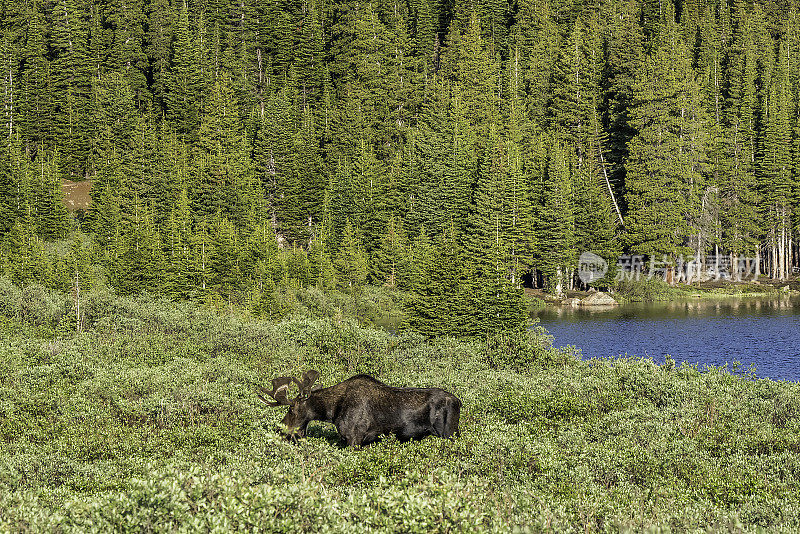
(645, 289)
(148, 419)
(519, 350)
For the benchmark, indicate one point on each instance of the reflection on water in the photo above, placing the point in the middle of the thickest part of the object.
(764, 332)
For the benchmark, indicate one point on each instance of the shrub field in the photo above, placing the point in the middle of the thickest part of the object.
(146, 421)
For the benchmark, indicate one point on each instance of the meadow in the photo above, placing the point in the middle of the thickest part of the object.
(145, 420)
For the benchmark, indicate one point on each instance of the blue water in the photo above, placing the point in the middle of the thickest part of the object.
(762, 332)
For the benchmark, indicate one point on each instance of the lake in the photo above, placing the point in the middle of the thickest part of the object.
(759, 331)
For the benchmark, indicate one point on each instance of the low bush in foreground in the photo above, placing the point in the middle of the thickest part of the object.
(147, 421)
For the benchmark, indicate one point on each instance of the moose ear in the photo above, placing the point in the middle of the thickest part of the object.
(309, 377)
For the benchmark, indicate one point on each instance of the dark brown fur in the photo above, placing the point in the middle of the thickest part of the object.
(363, 408)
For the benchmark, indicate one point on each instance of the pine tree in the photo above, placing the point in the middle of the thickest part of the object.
(141, 265)
(489, 203)
(35, 107)
(596, 222)
(351, 260)
(474, 70)
(178, 240)
(71, 86)
(308, 169)
(126, 53)
(113, 117)
(775, 168)
(258, 256)
(367, 195)
(274, 162)
(521, 240)
(666, 158)
(184, 81)
(160, 30)
(738, 191)
(624, 59)
(309, 58)
(576, 86)
(10, 201)
(424, 307)
(537, 36)
(504, 304)
(323, 271)
(793, 53)
(49, 212)
(225, 176)
(389, 261)
(224, 274)
(556, 255)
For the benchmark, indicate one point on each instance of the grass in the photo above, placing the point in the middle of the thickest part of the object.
(146, 420)
(656, 290)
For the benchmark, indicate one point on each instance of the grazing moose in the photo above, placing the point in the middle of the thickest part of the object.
(363, 408)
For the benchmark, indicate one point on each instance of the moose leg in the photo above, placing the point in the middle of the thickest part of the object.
(352, 430)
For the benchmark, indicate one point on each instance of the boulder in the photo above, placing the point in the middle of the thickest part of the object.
(598, 299)
(571, 302)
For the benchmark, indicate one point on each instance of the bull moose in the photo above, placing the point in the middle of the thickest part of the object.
(363, 408)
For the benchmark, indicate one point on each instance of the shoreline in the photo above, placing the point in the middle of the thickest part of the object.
(643, 291)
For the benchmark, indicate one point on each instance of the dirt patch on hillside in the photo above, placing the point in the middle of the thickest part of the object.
(77, 194)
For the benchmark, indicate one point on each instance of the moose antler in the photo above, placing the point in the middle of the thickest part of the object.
(280, 388)
(280, 391)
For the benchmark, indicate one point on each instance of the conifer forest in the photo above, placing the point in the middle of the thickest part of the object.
(456, 150)
(200, 198)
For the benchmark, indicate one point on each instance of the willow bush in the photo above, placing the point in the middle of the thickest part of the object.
(146, 420)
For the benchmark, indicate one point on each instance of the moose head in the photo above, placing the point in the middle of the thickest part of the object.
(301, 411)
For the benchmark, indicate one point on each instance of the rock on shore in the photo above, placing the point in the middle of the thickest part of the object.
(598, 299)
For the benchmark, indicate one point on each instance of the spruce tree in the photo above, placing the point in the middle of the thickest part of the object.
(184, 98)
(35, 105)
(71, 86)
(389, 261)
(666, 159)
(126, 53)
(556, 256)
(351, 260)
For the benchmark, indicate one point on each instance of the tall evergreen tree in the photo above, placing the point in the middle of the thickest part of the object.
(35, 106)
(351, 260)
(184, 97)
(389, 264)
(71, 86)
(556, 255)
(665, 164)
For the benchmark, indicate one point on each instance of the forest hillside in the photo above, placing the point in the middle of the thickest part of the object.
(455, 149)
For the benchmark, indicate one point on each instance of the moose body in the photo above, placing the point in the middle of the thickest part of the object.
(363, 408)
